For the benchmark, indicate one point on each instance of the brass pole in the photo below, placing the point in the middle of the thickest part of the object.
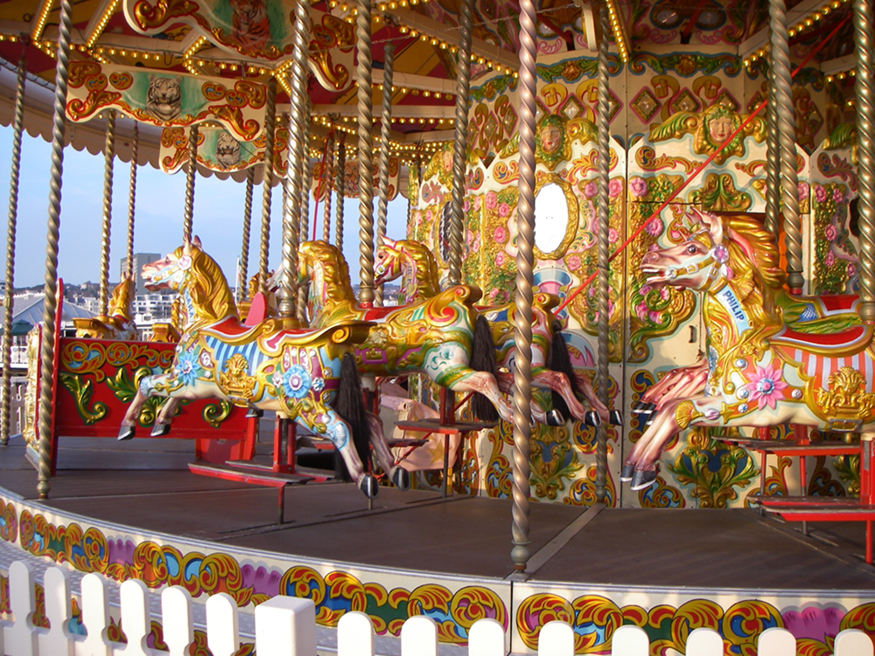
(773, 162)
(326, 186)
(383, 168)
(50, 301)
(522, 375)
(339, 184)
(864, 86)
(106, 226)
(243, 283)
(267, 183)
(132, 199)
(188, 216)
(365, 152)
(8, 306)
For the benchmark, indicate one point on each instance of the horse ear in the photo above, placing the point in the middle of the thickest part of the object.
(391, 243)
(715, 225)
(196, 242)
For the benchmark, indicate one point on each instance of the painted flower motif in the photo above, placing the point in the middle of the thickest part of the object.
(645, 290)
(852, 269)
(187, 367)
(573, 262)
(615, 187)
(829, 260)
(830, 232)
(803, 190)
(428, 215)
(613, 235)
(467, 205)
(766, 385)
(641, 310)
(504, 210)
(654, 227)
(500, 234)
(819, 193)
(655, 317)
(296, 382)
(664, 293)
(491, 200)
(721, 254)
(838, 195)
(184, 262)
(206, 361)
(469, 237)
(318, 384)
(478, 203)
(590, 189)
(638, 187)
(499, 258)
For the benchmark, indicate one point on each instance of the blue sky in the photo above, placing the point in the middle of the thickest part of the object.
(218, 215)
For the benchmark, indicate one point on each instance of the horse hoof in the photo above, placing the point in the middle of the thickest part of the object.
(643, 478)
(401, 478)
(125, 433)
(643, 408)
(254, 412)
(159, 430)
(626, 473)
(592, 419)
(615, 418)
(368, 486)
(555, 418)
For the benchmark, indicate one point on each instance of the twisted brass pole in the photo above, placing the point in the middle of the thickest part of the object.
(773, 162)
(604, 225)
(365, 152)
(460, 143)
(304, 236)
(383, 168)
(864, 87)
(339, 184)
(188, 216)
(50, 289)
(132, 199)
(8, 306)
(267, 183)
(787, 140)
(325, 182)
(106, 226)
(522, 375)
(243, 283)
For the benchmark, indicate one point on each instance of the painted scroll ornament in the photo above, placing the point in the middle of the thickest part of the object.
(258, 29)
(351, 179)
(165, 99)
(218, 150)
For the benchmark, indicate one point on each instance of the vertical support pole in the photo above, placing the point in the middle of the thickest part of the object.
(865, 91)
(460, 143)
(787, 140)
(365, 152)
(17, 131)
(604, 215)
(188, 216)
(339, 184)
(383, 167)
(242, 284)
(304, 233)
(773, 162)
(267, 183)
(50, 302)
(132, 199)
(325, 184)
(106, 225)
(522, 375)
(412, 193)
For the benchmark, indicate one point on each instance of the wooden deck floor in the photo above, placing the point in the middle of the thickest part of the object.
(145, 484)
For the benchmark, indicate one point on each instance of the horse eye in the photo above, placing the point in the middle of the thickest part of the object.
(691, 249)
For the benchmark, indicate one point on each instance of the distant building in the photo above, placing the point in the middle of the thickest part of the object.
(139, 260)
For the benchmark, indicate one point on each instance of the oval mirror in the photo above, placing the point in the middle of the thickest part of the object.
(555, 220)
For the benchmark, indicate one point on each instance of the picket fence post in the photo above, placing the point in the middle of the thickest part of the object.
(419, 637)
(177, 620)
(355, 635)
(57, 640)
(95, 616)
(285, 626)
(776, 642)
(223, 629)
(630, 640)
(556, 639)
(704, 642)
(853, 642)
(136, 617)
(486, 638)
(20, 639)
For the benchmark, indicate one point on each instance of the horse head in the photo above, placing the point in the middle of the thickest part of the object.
(197, 277)
(387, 262)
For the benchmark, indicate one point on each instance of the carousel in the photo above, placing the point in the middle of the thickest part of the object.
(628, 379)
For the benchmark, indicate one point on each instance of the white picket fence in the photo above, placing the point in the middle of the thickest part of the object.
(286, 626)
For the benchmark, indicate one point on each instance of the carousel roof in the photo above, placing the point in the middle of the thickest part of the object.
(228, 41)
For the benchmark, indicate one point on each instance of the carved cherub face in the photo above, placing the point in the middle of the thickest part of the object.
(551, 137)
(719, 129)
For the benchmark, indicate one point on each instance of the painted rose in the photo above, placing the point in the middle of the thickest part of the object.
(819, 193)
(655, 317)
(590, 189)
(428, 215)
(504, 210)
(803, 190)
(500, 258)
(641, 310)
(478, 203)
(573, 262)
(491, 200)
(852, 269)
(838, 195)
(500, 234)
(654, 227)
(467, 205)
(469, 237)
(645, 290)
(830, 232)
(613, 235)
(638, 187)
(615, 187)
(829, 260)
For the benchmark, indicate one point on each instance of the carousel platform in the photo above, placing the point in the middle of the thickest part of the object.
(142, 492)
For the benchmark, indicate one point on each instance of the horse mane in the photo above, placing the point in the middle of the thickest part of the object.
(755, 263)
(427, 282)
(120, 302)
(208, 288)
(335, 271)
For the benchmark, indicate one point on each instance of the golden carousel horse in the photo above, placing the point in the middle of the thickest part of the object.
(762, 371)
(308, 376)
(417, 267)
(118, 324)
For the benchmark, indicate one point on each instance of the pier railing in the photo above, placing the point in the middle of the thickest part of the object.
(285, 626)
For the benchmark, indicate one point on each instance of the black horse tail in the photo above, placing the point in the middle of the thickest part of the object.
(351, 409)
(560, 362)
(483, 359)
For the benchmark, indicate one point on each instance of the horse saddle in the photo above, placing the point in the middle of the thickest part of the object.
(833, 345)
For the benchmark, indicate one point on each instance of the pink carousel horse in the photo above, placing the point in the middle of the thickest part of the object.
(761, 371)
(416, 266)
(304, 375)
